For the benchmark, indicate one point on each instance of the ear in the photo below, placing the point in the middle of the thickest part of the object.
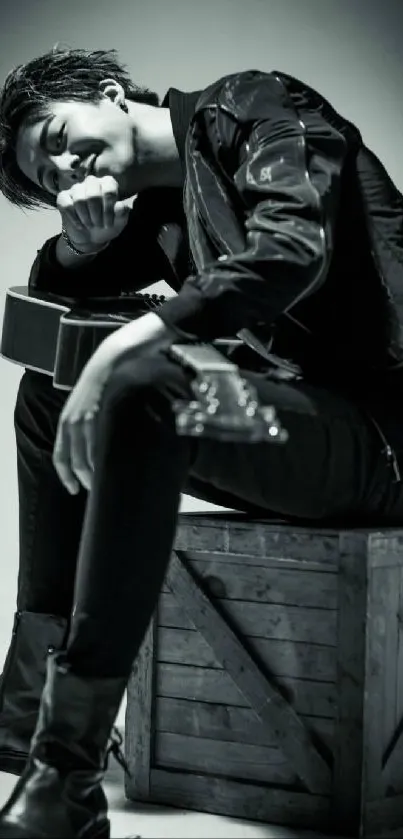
(112, 90)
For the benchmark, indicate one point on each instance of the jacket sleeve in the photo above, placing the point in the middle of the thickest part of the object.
(105, 274)
(290, 193)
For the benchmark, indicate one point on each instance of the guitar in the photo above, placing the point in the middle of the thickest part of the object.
(57, 335)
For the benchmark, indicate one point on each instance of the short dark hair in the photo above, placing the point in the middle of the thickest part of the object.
(60, 74)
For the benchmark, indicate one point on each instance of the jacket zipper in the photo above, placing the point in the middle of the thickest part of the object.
(387, 451)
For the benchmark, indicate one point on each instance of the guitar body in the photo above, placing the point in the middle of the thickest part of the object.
(31, 328)
(57, 336)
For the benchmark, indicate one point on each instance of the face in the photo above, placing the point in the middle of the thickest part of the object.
(77, 139)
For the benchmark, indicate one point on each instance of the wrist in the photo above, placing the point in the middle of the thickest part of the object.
(82, 249)
(140, 334)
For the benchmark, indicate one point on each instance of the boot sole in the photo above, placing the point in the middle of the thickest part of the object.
(13, 831)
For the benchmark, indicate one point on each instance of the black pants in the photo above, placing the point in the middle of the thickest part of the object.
(108, 555)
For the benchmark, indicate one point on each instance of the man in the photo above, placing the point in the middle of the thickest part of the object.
(294, 231)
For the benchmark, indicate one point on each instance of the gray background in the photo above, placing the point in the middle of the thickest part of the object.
(351, 50)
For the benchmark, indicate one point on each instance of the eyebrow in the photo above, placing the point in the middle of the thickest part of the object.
(43, 138)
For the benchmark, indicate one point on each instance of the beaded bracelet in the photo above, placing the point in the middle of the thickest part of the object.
(73, 249)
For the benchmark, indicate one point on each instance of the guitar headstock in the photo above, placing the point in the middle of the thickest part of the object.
(225, 406)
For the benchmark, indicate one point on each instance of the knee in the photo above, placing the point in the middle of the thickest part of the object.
(144, 380)
(129, 378)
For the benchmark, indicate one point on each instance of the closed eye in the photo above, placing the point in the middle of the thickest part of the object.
(58, 141)
(46, 139)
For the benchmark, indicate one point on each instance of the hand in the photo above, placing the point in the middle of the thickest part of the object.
(73, 454)
(91, 213)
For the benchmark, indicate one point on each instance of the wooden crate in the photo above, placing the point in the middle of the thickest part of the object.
(270, 683)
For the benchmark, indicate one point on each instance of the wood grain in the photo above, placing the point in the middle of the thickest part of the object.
(248, 801)
(257, 539)
(226, 722)
(282, 658)
(288, 623)
(139, 724)
(205, 684)
(264, 583)
(245, 761)
(350, 681)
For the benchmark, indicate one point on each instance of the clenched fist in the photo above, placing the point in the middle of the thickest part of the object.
(91, 213)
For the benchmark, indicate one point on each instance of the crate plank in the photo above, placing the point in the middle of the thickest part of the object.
(390, 597)
(351, 658)
(399, 656)
(289, 623)
(377, 620)
(226, 722)
(248, 801)
(272, 562)
(265, 584)
(386, 549)
(316, 699)
(259, 539)
(284, 658)
(139, 722)
(231, 760)
(390, 732)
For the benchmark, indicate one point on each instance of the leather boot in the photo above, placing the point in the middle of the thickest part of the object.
(21, 683)
(59, 794)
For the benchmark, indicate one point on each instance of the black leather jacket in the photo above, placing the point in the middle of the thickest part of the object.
(295, 232)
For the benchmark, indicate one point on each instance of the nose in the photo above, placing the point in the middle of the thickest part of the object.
(68, 169)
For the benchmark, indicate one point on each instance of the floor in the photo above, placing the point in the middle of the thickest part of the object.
(129, 820)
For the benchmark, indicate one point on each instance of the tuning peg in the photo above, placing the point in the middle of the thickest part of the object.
(268, 413)
(251, 409)
(277, 433)
(193, 405)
